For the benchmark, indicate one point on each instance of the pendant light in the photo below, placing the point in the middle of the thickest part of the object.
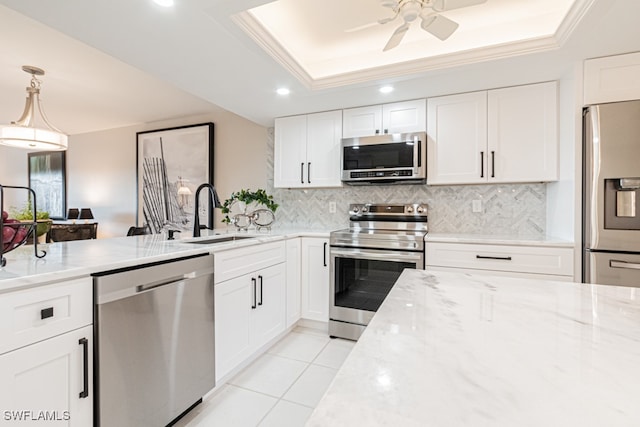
(24, 132)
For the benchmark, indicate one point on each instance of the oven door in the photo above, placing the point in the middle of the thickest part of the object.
(362, 278)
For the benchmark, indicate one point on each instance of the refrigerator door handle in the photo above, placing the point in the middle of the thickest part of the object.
(624, 264)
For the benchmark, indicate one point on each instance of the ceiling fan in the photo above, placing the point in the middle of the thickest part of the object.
(428, 11)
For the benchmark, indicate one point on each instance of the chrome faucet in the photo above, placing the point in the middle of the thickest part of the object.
(216, 203)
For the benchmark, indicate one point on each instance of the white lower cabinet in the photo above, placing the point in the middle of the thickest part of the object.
(49, 381)
(541, 262)
(315, 279)
(46, 355)
(293, 281)
(250, 309)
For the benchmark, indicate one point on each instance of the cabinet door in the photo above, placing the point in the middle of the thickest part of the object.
(403, 117)
(315, 279)
(50, 376)
(324, 131)
(523, 133)
(290, 152)
(362, 121)
(457, 139)
(270, 312)
(233, 301)
(293, 282)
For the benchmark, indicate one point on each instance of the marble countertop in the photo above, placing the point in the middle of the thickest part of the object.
(450, 349)
(65, 260)
(498, 239)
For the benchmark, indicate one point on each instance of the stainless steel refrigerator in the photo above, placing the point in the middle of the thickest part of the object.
(611, 194)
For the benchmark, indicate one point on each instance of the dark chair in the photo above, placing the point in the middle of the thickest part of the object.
(138, 231)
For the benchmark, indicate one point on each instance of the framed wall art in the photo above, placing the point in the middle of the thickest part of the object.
(48, 179)
(172, 163)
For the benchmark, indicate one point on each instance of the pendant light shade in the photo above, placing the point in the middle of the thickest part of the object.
(27, 132)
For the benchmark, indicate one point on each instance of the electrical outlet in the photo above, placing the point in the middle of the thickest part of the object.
(332, 207)
(476, 206)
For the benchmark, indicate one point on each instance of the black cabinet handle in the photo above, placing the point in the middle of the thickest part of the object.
(493, 164)
(309, 172)
(85, 367)
(45, 313)
(482, 164)
(260, 277)
(377, 131)
(253, 280)
(301, 173)
(386, 131)
(501, 258)
(324, 254)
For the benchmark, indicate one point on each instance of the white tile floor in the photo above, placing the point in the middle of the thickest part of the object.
(280, 388)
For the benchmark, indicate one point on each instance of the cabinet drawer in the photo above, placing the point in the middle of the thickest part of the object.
(236, 262)
(39, 313)
(522, 259)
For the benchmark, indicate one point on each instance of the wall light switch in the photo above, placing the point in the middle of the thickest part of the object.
(332, 207)
(476, 206)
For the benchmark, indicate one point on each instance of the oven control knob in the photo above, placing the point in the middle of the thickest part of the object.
(356, 209)
(409, 209)
(420, 209)
(365, 209)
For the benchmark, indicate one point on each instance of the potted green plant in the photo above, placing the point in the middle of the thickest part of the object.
(26, 215)
(248, 197)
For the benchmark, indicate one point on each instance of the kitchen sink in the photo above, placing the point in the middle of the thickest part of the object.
(221, 239)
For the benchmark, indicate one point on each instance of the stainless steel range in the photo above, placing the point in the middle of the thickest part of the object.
(367, 259)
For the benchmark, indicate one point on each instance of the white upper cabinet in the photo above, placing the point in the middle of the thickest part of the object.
(457, 139)
(307, 150)
(362, 121)
(495, 136)
(612, 78)
(398, 117)
(523, 133)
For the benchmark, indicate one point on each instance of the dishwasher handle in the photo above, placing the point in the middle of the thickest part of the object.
(171, 281)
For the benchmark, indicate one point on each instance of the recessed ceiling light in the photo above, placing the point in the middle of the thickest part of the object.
(164, 3)
(386, 89)
(283, 91)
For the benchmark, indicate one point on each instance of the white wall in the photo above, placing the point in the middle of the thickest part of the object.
(101, 166)
(13, 171)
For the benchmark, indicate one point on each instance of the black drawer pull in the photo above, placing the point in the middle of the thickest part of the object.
(45, 313)
(254, 305)
(85, 367)
(501, 258)
(260, 277)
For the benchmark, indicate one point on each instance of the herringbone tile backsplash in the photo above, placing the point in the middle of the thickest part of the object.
(506, 209)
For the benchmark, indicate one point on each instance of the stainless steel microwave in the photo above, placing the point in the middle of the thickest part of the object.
(385, 159)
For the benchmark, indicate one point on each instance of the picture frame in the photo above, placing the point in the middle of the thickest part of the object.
(171, 164)
(48, 179)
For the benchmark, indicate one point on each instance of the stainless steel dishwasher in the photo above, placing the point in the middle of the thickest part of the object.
(154, 337)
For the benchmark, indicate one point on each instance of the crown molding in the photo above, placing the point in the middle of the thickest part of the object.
(256, 31)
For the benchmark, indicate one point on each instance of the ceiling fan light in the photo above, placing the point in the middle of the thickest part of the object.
(410, 11)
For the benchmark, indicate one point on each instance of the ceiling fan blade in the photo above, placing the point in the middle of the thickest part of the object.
(444, 5)
(439, 26)
(396, 37)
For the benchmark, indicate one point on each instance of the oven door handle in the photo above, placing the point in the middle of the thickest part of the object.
(383, 256)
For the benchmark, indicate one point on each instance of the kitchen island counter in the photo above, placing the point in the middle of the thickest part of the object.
(450, 349)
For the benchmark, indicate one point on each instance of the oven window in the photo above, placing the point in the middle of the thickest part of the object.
(393, 155)
(363, 284)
